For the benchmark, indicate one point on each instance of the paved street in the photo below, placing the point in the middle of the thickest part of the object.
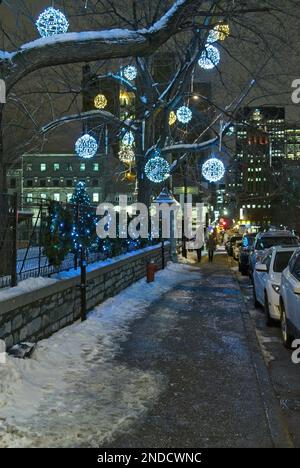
(216, 390)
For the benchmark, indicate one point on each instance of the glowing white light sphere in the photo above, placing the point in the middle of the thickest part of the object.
(213, 170)
(128, 138)
(86, 146)
(126, 154)
(130, 72)
(184, 114)
(213, 36)
(210, 58)
(52, 22)
(157, 169)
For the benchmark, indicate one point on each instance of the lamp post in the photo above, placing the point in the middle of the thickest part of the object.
(165, 197)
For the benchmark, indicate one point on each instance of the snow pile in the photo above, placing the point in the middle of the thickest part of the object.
(28, 285)
(74, 391)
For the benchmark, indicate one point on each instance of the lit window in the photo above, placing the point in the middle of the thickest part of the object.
(29, 167)
(56, 167)
(56, 197)
(43, 167)
(69, 196)
(95, 167)
(95, 197)
(43, 196)
(29, 197)
(82, 167)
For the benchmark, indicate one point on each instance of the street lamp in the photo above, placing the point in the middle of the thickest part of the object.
(165, 197)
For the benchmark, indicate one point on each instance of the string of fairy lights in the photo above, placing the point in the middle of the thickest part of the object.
(52, 22)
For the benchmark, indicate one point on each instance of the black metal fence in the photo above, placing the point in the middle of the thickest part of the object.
(22, 227)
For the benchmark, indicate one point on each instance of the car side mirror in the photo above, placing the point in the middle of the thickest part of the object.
(261, 268)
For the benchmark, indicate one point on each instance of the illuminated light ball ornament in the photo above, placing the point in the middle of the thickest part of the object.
(157, 170)
(219, 33)
(184, 114)
(86, 146)
(128, 138)
(213, 170)
(130, 72)
(210, 58)
(126, 154)
(100, 101)
(52, 22)
(172, 118)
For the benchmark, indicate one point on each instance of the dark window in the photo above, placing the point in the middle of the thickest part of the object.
(13, 183)
(29, 183)
(55, 183)
(42, 183)
(281, 261)
(296, 268)
(95, 182)
(268, 242)
(69, 183)
(69, 167)
(29, 167)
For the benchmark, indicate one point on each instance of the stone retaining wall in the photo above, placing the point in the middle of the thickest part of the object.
(38, 314)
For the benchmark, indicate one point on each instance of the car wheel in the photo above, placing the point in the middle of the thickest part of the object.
(285, 331)
(255, 301)
(269, 320)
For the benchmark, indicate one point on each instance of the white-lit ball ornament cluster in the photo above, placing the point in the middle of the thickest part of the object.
(52, 22)
(184, 114)
(130, 72)
(126, 154)
(86, 146)
(209, 58)
(213, 170)
(157, 170)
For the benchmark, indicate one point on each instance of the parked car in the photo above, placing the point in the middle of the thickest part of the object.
(267, 279)
(266, 240)
(244, 259)
(230, 243)
(290, 300)
(237, 246)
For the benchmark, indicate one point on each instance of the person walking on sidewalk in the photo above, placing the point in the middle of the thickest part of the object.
(211, 247)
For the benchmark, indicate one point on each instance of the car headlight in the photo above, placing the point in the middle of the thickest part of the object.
(276, 288)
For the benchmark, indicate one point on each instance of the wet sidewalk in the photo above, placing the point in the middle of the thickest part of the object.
(197, 342)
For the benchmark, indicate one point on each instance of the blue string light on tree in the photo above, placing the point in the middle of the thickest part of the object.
(130, 72)
(86, 146)
(184, 114)
(210, 58)
(52, 22)
(157, 170)
(213, 170)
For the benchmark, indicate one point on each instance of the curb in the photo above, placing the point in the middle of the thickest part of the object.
(279, 433)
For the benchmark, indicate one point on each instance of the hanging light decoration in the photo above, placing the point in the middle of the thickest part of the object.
(128, 138)
(126, 154)
(86, 146)
(210, 57)
(172, 118)
(52, 22)
(157, 169)
(184, 114)
(213, 170)
(130, 72)
(100, 101)
(219, 33)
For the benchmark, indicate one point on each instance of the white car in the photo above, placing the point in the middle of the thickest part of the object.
(267, 279)
(290, 300)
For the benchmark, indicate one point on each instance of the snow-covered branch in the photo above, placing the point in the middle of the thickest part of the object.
(95, 45)
(103, 116)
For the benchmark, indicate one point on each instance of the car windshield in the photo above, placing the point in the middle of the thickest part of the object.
(268, 242)
(281, 261)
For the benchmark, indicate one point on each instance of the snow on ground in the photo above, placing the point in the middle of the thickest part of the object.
(74, 392)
